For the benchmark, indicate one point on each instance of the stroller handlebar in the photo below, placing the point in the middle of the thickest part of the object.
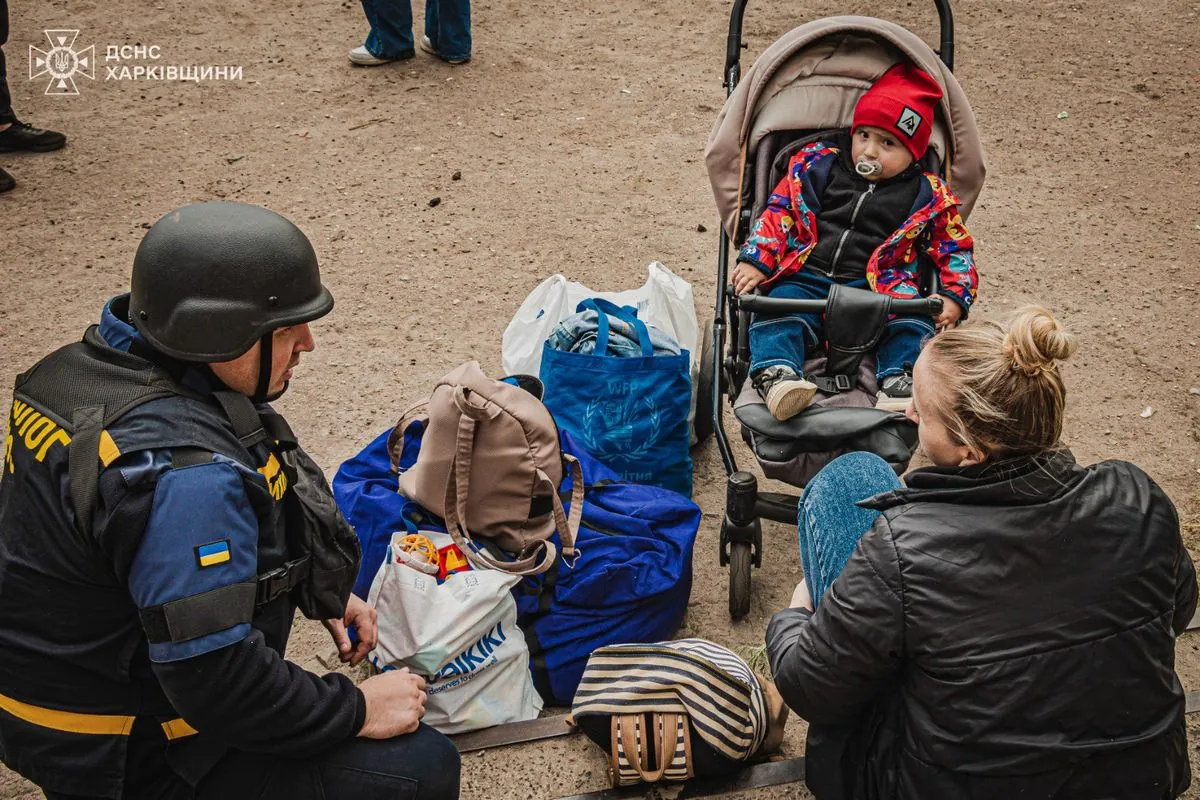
(928, 306)
(734, 44)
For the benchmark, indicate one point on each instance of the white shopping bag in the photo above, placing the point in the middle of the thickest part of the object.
(460, 634)
(664, 301)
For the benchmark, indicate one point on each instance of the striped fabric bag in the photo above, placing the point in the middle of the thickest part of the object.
(675, 710)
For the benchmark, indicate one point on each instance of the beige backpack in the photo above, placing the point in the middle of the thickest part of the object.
(490, 465)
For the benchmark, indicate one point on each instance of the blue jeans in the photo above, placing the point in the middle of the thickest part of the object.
(447, 24)
(788, 339)
(830, 521)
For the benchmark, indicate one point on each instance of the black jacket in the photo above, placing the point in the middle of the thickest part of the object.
(855, 216)
(1002, 631)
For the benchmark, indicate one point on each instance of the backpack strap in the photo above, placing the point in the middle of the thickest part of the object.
(567, 525)
(82, 453)
(247, 425)
(458, 487)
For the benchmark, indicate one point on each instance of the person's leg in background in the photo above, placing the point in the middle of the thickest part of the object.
(423, 765)
(448, 30)
(831, 522)
(6, 113)
(14, 134)
(391, 37)
(895, 356)
(779, 344)
(7, 117)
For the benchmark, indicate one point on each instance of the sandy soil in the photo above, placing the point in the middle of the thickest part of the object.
(579, 131)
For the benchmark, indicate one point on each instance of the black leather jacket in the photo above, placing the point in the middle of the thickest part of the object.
(1003, 631)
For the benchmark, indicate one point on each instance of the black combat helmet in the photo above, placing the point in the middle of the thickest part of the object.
(211, 279)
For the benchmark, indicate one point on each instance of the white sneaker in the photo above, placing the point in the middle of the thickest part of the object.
(787, 398)
(362, 56)
(428, 47)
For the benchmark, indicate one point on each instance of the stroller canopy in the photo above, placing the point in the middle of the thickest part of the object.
(811, 79)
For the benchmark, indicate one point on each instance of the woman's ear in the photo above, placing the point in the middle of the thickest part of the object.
(970, 456)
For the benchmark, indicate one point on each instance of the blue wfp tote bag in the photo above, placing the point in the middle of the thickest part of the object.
(630, 412)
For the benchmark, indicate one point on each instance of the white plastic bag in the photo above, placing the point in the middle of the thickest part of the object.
(664, 301)
(461, 635)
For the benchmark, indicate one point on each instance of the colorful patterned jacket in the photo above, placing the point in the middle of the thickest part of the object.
(786, 232)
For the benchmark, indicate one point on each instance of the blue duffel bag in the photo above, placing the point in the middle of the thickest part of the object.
(631, 582)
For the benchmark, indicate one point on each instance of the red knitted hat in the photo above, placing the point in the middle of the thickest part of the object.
(901, 101)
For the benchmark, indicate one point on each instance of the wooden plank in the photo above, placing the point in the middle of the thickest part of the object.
(534, 730)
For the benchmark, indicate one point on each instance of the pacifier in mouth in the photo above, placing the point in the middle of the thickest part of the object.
(868, 169)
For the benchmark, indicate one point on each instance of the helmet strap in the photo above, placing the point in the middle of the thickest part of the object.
(265, 359)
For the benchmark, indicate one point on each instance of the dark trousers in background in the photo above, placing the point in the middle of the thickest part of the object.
(6, 112)
(423, 765)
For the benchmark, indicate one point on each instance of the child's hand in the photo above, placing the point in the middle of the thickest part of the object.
(951, 314)
(746, 277)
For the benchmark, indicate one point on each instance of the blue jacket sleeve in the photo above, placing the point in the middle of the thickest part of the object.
(201, 535)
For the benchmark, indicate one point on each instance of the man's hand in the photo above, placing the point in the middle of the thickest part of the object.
(746, 277)
(362, 618)
(951, 314)
(395, 703)
(801, 597)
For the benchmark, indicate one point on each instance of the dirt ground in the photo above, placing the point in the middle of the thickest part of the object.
(579, 130)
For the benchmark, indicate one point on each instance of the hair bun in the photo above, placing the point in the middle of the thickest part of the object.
(1036, 341)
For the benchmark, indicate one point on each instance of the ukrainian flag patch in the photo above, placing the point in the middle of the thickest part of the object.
(213, 553)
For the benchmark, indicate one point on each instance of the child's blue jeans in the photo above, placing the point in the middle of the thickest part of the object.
(831, 522)
(787, 339)
(447, 24)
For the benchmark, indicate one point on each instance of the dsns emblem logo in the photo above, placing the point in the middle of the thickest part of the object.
(62, 62)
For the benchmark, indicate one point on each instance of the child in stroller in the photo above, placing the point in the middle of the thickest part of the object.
(858, 211)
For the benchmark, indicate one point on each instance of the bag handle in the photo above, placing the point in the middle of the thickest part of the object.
(628, 314)
(625, 727)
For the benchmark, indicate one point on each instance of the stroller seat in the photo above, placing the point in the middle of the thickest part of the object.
(794, 450)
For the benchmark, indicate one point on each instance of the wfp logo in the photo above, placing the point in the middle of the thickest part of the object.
(617, 426)
(62, 62)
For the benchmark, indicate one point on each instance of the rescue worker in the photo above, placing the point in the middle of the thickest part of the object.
(158, 529)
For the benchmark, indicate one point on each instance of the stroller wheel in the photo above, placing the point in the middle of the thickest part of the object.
(739, 579)
(703, 389)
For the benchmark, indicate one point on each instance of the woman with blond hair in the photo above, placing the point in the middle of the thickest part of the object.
(1004, 624)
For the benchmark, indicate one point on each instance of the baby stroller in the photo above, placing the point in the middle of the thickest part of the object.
(804, 87)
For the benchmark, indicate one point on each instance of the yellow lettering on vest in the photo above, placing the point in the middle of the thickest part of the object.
(28, 418)
(17, 408)
(38, 431)
(8, 459)
(59, 436)
(276, 478)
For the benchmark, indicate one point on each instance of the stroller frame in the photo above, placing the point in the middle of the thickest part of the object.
(745, 506)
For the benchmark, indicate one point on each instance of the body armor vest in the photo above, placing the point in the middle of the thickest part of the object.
(74, 670)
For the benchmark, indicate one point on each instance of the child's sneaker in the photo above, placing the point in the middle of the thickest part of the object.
(786, 393)
(895, 393)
